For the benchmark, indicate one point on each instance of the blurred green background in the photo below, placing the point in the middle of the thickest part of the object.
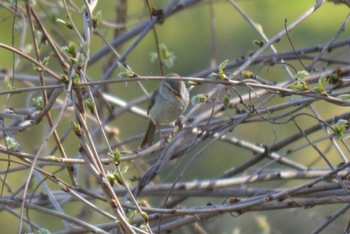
(188, 34)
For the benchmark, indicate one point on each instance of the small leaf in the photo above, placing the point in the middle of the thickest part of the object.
(90, 105)
(125, 169)
(38, 102)
(80, 60)
(340, 128)
(167, 57)
(96, 19)
(37, 68)
(200, 98)
(71, 49)
(64, 78)
(299, 83)
(85, 48)
(221, 75)
(8, 82)
(12, 144)
(126, 72)
(301, 75)
(194, 83)
(322, 81)
(117, 178)
(320, 88)
(46, 61)
(110, 178)
(132, 216)
(76, 78)
(144, 216)
(67, 23)
(298, 86)
(76, 128)
(115, 156)
(223, 65)
(58, 20)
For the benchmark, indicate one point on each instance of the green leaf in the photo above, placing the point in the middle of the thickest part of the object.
(110, 178)
(12, 144)
(115, 156)
(64, 78)
(340, 128)
(301, 75)
(38, 102)
(298, 86)
(37, 68)
(320, 88)
(8, 82)
(132, 216)
(67, 23)
(46, 61)
(126, 72)
(96, 19)
(221, 75)
(222, 66)
(76, 128)
(76, 78)
(71, 49)
(85, 48)
(117, 178)
(144, 216)
(200, 98)
(90, 105)
(125, 169)
(299, 83)
(80, 60)
(167, 57)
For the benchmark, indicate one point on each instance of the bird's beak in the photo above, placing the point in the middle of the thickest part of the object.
(178, 96)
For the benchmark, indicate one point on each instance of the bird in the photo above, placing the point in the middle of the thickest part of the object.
(166, 105)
